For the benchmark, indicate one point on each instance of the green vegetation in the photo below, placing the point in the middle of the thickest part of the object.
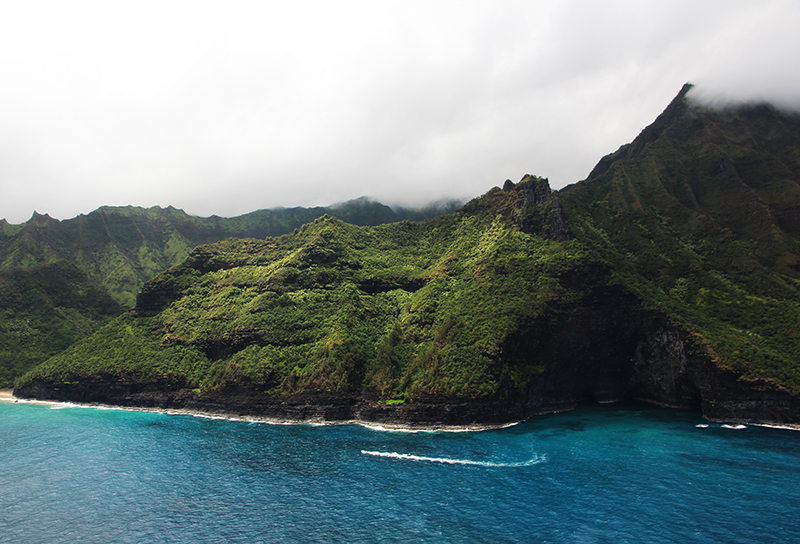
(404, 308)
(698, 216)
(122, 247)
(117, 250)
(44, 310)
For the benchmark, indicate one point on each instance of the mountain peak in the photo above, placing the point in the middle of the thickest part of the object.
(38, 218)
(676, 108)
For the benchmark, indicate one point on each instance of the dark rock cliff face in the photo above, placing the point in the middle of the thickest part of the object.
(614, 348)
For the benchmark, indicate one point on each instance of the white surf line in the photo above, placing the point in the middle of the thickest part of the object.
(55, 405)
(445, 460)
(6, 396)
(722, 426)
(784, 426)
(434, 429)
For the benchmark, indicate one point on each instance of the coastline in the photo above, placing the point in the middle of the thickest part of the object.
(6, 395)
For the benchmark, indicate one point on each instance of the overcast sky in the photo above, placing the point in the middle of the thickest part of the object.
(224, 108)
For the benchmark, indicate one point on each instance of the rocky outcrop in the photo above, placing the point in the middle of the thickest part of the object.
(540, 211)
(727, 397)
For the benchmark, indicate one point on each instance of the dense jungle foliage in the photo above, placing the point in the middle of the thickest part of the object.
(122, 247)
(700, 216)
(117, 249)
(45, 309)
(405, 308)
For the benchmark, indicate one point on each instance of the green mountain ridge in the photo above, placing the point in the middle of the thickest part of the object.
(669, 275)
(119, 248)
(699, 217)
(440, 307)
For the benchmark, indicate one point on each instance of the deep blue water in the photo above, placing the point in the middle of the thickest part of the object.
(598, 474)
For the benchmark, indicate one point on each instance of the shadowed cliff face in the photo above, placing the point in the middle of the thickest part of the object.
(670, 275)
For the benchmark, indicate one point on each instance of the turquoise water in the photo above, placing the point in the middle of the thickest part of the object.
(599, 474)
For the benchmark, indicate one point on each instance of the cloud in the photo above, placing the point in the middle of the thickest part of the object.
(228, 108)
(750, 57)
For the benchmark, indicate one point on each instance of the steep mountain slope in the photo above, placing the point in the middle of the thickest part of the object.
(402, 310)
(118, 249)
(699, 216)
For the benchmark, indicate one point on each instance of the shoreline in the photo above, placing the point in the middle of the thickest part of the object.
(6, 395)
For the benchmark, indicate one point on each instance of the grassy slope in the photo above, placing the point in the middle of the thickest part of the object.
(405, 308)
(700, 216)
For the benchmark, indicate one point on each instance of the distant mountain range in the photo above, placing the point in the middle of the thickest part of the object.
(670, 275)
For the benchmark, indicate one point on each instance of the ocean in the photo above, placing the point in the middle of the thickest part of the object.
(612, 473)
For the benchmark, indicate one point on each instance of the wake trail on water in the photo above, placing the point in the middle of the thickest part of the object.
(446, 460)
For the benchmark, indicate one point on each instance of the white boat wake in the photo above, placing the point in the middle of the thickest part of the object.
(408, 457)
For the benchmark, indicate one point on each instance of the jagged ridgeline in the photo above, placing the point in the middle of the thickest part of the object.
(403, 309)
(122, 247)
(62, 280)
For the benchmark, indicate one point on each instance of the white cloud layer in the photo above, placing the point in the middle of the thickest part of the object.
(229, 107)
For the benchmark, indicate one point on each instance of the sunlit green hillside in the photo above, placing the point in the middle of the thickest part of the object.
(405, 308)
(117, 249)
(671, 275)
